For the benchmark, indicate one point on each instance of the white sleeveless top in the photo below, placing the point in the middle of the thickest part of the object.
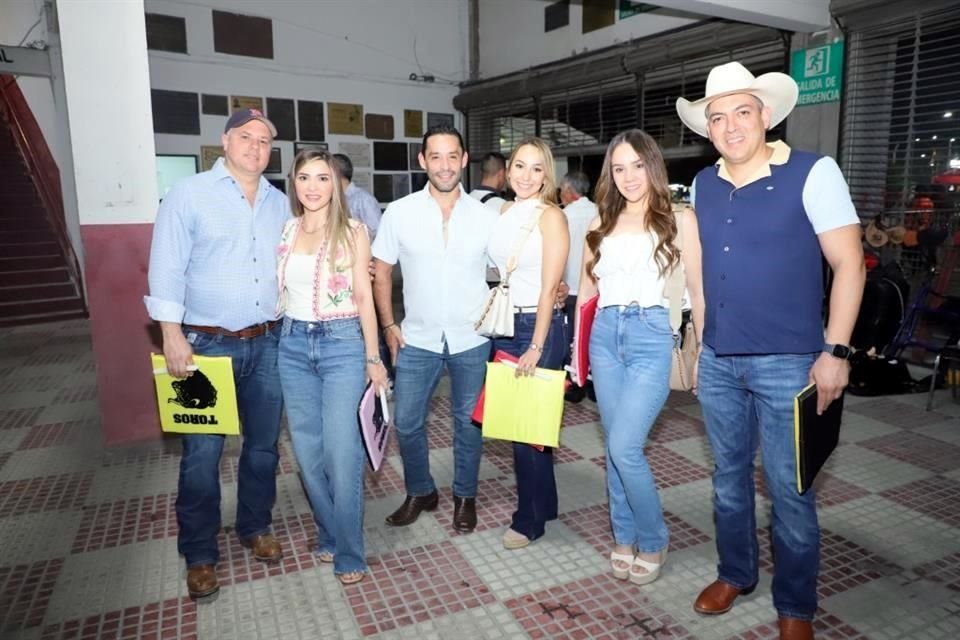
(525, 280)
(627, 272)
(299, 284)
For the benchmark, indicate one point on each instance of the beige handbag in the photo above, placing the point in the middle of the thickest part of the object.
(684, 357)
(496, 320)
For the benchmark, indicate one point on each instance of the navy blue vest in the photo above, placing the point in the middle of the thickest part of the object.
(762, 270)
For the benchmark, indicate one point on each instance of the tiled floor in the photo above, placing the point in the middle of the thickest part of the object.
(88, 535)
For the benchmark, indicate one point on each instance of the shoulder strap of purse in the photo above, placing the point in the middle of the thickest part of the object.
(521, 240)
(677, 280)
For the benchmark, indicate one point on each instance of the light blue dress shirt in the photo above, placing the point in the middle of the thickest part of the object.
(363, 207)
(213, 257)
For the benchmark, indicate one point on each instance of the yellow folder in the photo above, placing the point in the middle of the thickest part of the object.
(523, 409)
(205, 402)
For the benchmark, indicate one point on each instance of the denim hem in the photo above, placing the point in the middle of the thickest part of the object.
(662, 547)
(338, 572)
(261, 532)
(808, 617)
(462, 497)
(197, 563)
(422, 495)
(735, 585)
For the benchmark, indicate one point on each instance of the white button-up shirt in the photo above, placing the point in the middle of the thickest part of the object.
(579, 214)
(444, 287)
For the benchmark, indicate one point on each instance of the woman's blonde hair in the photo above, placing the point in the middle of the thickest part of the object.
(548, 192)
(337, 231)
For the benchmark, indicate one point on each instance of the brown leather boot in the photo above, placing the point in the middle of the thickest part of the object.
(795, 629)
(718, 598)
(265, 547)
(464, 514)
(202, 581)
(410, 510)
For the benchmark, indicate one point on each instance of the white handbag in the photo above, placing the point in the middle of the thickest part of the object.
(496, 319)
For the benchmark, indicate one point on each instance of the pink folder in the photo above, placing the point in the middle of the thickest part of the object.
(582, 339)
(374, 418)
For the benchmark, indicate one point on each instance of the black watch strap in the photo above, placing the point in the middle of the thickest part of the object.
(842, 351)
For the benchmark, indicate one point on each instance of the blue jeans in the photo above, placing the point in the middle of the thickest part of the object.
(260, 404)
(747, 399)
(323, 375)
(630, 351)
(536, 483)
(417, 374)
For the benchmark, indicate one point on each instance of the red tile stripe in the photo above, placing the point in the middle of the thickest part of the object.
(125, 522)
(937, 497)
(18, 418)
(416, 585)
(25, 592)
(44, 494)
(173, 618)
(50, 435)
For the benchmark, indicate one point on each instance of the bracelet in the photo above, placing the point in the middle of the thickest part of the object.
(392, 324)
(535, 347)
(374, 360)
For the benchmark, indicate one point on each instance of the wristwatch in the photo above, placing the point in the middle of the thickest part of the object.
(841, 351)
(374, 360)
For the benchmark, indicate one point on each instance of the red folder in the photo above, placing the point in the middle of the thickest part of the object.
(588, 311)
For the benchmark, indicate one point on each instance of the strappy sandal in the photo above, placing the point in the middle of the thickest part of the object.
(352, 577)
(652, 569)
(625, 558)
(325, 556)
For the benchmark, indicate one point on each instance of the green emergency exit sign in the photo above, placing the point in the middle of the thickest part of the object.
(819, 72)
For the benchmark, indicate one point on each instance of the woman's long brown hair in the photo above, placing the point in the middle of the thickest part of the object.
(338, 232)
(611, 203)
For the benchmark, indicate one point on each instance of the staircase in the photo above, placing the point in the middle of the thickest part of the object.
(39, 281)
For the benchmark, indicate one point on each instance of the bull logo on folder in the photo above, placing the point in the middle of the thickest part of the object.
(194, 392)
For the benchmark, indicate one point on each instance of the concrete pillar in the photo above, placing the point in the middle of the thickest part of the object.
(107, 91)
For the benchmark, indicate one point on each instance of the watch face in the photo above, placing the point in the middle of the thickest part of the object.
(841, 351)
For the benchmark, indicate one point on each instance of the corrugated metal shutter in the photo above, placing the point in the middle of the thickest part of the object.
(633, 87)
(901, 123)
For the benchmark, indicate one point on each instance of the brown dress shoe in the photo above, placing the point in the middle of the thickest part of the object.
(265, 547)
(410, 510)
(718, 598)
(202, 581)
(464, 514)
(794, 629)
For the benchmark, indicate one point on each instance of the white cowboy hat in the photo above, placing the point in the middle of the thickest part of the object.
(776, 90)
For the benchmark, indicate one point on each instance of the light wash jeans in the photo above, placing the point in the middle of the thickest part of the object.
(323, 375)
(630, 351)
(746, 400)
(418, 372)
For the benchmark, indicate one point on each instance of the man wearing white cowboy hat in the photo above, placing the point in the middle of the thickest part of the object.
(765, 214)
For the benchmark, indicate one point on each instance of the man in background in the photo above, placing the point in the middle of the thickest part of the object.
(579, 210)
(493, 178)
(363, 206)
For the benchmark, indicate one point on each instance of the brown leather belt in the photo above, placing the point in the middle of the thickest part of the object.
(255, 331)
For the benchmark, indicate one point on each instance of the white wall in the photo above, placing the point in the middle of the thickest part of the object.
(112, 138)
(512, 37)
(351, 51)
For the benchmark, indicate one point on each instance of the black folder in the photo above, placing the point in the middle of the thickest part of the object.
(815, 436)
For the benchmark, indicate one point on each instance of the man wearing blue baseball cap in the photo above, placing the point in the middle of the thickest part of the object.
(213, 290)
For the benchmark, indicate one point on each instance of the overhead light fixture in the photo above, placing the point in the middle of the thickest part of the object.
(948, 114)
(934, 137)
(916, 139)
(923, 155)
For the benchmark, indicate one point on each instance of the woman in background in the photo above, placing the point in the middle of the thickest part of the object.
(539, 333)
(328, 351)
(630, 251)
